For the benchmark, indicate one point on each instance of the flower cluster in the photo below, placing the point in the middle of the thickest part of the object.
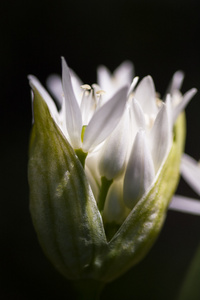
(121, 131)
(103, 166)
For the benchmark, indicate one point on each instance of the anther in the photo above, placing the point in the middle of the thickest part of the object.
(100, 92)
(86, 87)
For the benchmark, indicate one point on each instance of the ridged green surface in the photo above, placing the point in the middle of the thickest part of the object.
(63, 209)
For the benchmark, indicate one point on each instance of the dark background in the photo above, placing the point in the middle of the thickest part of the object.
(160, 37)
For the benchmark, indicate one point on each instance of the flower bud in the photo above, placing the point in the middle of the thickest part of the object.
(102, 173)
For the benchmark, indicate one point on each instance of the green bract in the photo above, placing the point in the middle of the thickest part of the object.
(63, 209)
(65, 214)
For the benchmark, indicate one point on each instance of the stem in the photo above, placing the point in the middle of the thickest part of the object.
(81, 156)
(88, 289)
(105, 185)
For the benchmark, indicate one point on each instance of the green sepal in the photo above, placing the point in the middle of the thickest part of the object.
(139, 231)
(63, 209)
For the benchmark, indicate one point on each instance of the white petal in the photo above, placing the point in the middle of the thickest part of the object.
(160, 137)
(133, 85)
(115, 210)
(98, 94)
(104, 78)
(114, 150)
(54, 84)
(63, 125)
(176, 82)
(145, 94)
(92, 172)
(76, 84)
(137, 122)
(137, 115)
(73, 113)
(88, 105)
(124, 73)
(92, 181)
(140, 171)
(113, 82)
(190, 170)
(186, 205)
(35, 84)
(183, 103)
(105, 120)
(168, 103)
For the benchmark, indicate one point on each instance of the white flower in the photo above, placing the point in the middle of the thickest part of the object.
(74, 111)
(190, 170)
(104, 163)
(126, 132)
(123, 75)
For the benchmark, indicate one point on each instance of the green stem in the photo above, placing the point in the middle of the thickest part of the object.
(88, 289)
(81, 156)
(105, 185)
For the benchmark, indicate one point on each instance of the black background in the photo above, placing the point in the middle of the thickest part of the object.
(160, 37)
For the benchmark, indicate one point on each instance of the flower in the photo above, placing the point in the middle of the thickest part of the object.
(99, 122)
(103, 168)
(190, 170)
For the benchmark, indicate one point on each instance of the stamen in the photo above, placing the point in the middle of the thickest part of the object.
(86, 87)
(100, 92)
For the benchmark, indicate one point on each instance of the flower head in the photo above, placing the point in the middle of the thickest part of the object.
(103, 168)
(190, 171)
